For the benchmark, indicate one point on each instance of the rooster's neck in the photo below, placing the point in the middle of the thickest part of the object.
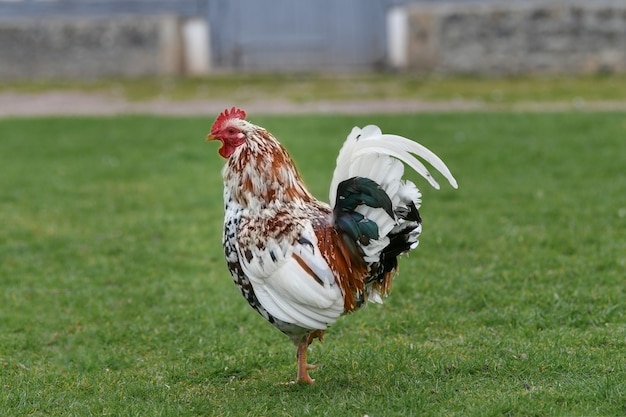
(261, 174)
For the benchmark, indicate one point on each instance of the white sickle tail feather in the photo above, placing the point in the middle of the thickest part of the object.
(371, 140)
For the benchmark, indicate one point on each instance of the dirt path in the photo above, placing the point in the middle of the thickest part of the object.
(76, 103)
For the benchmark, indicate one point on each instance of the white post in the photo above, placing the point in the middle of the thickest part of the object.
(197, 46)
(397, 37)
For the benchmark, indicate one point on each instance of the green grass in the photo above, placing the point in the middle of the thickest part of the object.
(115, 299)
(308, 87)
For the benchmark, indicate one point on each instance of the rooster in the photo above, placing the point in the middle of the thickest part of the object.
(302, 263)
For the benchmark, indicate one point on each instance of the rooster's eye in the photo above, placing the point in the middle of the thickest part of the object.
(231, 131)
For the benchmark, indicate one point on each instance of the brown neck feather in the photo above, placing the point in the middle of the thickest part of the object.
(262, 172)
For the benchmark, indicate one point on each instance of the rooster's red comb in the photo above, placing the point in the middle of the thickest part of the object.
(233, 113)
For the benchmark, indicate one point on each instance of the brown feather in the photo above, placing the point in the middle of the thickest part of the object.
(348, 266)
(272, 165)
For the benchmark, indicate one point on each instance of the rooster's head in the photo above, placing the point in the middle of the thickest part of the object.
(231, 128)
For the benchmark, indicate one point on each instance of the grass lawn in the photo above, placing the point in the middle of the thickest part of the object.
(300, 88)
(115, 298)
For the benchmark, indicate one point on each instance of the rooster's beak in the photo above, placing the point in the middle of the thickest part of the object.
(210, 137)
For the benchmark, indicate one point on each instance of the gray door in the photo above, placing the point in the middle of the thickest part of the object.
(299, 35)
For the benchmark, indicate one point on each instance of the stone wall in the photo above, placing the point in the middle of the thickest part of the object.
(451, 37)
(90, 47)
(517, 37)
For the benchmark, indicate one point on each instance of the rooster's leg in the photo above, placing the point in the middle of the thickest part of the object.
(303, 367)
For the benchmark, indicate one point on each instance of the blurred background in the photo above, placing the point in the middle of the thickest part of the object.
(87, 39)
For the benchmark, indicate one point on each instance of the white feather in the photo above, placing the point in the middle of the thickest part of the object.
(408, 192)
(374, 296)
(287, 290)
(355, 158)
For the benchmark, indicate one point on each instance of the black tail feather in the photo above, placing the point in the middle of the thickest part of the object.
(352, 193)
